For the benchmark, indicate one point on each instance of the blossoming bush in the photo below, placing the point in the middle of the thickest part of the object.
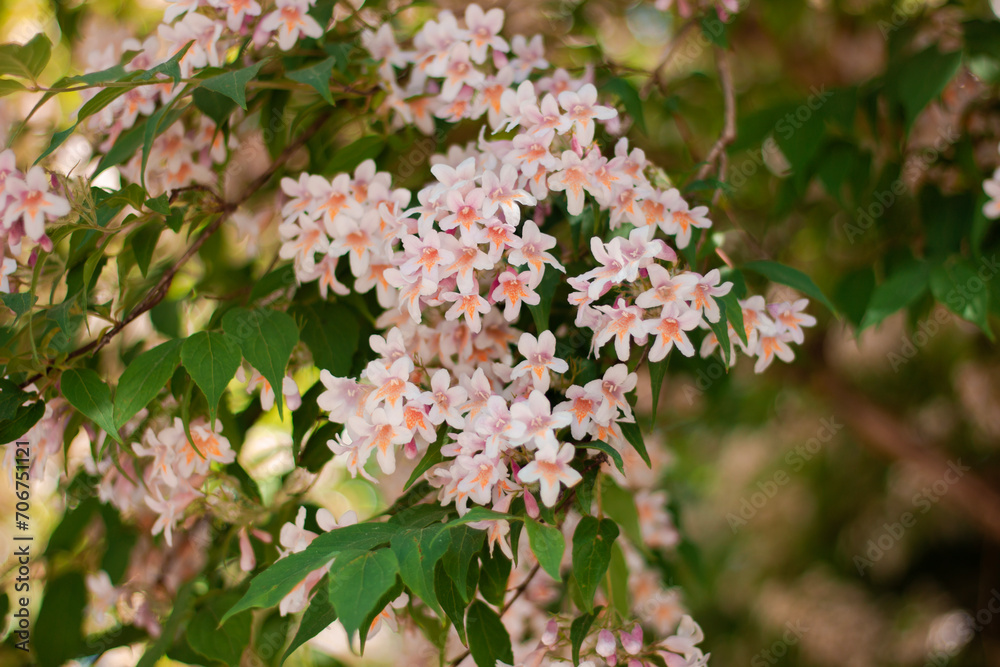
(476, 273)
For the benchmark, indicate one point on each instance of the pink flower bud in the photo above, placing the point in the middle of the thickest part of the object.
(632, 641)
(551, 634)
(530, 505)
(605, 644)
(247, 560)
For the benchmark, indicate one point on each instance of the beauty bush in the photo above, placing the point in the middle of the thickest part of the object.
(468, 336)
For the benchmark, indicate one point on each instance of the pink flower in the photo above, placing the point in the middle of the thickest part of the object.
(623, 322)
(532, 251)
(669, 330)
(790, 319)
(445, 400)
(392, 385)
(534, 422)
(236, 10)
(770, 347)
(582, 108)
(484, 30)
(515, 288)
(704, 292)
(550, 468)
(31, 202)
(502, 193)
(665, 289)
(291, 19)
(573, 178)
(582, 406)
(468, 305)
(539, 359)
(381, 434)
(459, 72)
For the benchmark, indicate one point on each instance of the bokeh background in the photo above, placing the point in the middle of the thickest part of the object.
(842, 510)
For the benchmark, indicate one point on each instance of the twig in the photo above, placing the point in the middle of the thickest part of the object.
(728, 134)
(892, 437)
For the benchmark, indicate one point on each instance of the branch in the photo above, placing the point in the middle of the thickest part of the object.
(728, 135)
(159, 291)
(892, 437)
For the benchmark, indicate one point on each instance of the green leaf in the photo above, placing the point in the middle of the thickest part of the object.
(901, 289)
(448, 596)
(430, 458)
(657, 373)
(617, 582)
(331, 333)
(234, 84)
(494, 575)
(317, 76)
(86, 392)
(546, 290)
(418, 552)
(358, 581)
(211, 359)
(215, 105)
(629, 96)
(267, 338)
(316, 453)
(634, 436)
(11, 399)
(26, 61)
(921, 78)
(270, 586)
(143, 243)
(26, 417)
(182, 604)
(579, 630)
(349, 157)
(125, 146)
(612, 453)
(219, 641)
(734, 313)
(9, 86)
(144, 378)
(171, 67)
(58, 636)
(488, 638)
(957, 285)
(318, 617)
(548, 545)
(592, 541)
(794, 278)
(465, 545)
(721, 330)
(619, 504)
(20, 303)
(280, 279)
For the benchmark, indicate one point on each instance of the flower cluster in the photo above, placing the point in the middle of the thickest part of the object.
(180, 464)
(27, 200)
